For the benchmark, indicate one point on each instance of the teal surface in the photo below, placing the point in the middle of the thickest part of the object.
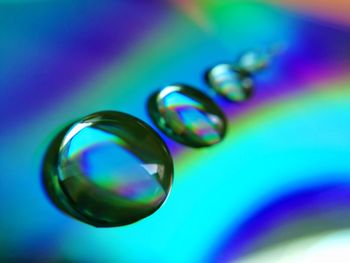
(283, 166)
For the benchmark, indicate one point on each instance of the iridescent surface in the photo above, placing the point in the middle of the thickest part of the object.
(230, 82)
(293, 134)
(108, 169)
(254, 60)
(187, 116)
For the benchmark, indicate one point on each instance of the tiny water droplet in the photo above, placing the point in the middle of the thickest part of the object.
(253, 61)
(187, 115)
(108, 169)
(230, 82)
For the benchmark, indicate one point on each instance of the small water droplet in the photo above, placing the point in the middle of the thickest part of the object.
(254, 60)
(187, 115)
(230, 82)
(108, 169)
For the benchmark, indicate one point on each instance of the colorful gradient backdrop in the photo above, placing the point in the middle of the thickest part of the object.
(277, 188)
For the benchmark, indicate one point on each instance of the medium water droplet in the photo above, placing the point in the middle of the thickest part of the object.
(108, 169)
(187, 115)
(230, 82)
(254, 60)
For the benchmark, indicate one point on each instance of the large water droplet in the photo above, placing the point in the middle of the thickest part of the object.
(230, 82)
(187, 115)
(108, 169)
(253, 61)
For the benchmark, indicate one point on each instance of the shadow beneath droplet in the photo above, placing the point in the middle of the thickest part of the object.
(304, 213)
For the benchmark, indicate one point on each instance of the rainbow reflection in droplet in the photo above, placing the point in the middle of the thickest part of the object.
(187, 115)
(108, 169)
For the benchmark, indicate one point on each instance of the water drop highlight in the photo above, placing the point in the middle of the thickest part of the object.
(254, 60)
(187, 115)
(230, 82)
(108, 169)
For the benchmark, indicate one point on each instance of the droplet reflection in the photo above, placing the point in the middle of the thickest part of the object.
(253, 61)
(187, 115)
(108, 169)
(230, 82)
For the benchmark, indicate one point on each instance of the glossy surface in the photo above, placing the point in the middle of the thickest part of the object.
(292, 136)
(253, 61)
(230, 82)
(108, 169)
(187, 115)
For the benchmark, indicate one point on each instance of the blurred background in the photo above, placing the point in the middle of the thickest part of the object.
(277, 189)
